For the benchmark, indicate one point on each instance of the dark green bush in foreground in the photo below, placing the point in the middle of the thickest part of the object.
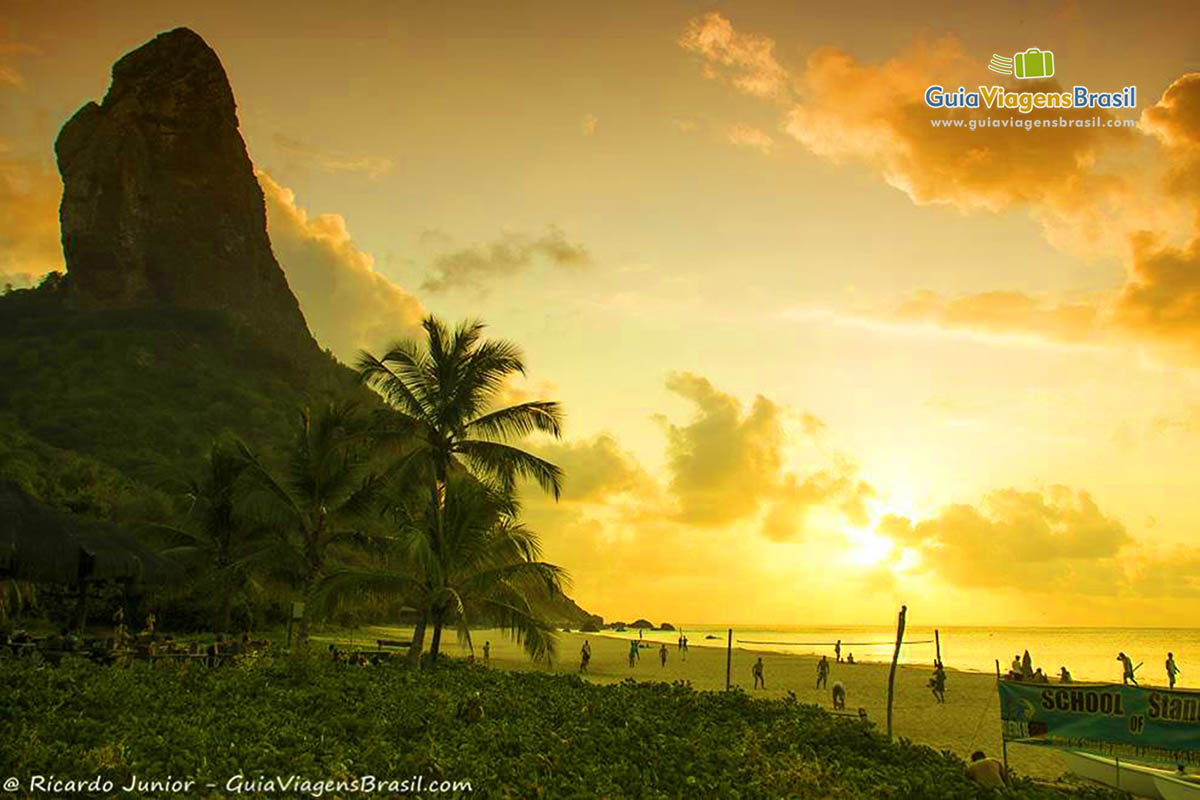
(537, 736)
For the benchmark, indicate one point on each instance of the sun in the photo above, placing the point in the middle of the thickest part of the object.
(867, 548)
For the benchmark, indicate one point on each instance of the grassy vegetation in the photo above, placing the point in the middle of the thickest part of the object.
(510, 734)
(138, 389)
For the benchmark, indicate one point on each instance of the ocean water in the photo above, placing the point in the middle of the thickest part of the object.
(1089, 653)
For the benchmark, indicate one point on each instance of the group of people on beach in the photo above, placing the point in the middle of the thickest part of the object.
(1022, 669)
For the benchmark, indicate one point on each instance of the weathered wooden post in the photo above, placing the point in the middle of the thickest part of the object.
(937, 641)
(892, 671)
(728, 657)
(1003, 733)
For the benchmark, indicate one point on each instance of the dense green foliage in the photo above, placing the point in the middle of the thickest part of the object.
(142, 388)
(510, 734)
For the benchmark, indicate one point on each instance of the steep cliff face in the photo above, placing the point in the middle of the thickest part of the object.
(160, 204)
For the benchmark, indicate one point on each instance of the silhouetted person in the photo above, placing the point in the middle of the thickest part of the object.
(1026, 666)
(685, 648)
(986, 772)
(850, 658)
(487, 652)
(837, 651)
(839, 696)
(634, 655)
(1172, 670)
(1015, 669)
(1126, 669)
(757, 671)
(662, 654)
(1064, 676)
(822, 672)
(937, 684)
(585, 656)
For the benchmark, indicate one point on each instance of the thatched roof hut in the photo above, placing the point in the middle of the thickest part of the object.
(44, 545)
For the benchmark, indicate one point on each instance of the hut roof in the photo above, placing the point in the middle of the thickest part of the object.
(42, 544)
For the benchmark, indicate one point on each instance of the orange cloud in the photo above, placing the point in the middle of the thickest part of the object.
(30, 245)
(349, 306)
(747, 61)
(511, 254)
(327, 161)
(1056, 540)
(750, 136)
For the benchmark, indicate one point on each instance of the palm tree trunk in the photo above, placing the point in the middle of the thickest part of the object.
(418, 640)
(435, 645)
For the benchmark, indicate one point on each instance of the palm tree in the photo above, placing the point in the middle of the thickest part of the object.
(221, 536)
(322, 495)
(442, 393)
(484, 566)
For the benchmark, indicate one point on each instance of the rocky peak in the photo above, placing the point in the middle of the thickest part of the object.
(160, 204)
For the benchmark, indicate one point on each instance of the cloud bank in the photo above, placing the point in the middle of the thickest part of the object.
(349, 306)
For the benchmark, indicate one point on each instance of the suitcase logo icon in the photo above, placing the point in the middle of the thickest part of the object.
(1033, 63)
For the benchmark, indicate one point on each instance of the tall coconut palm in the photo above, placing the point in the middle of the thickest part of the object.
(442, 394)
(322, 495)
(484, 566)
(221, 536)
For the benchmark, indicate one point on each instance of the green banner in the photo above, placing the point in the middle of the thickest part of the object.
(1108, 718)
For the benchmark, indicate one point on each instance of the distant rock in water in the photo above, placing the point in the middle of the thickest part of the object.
(160, 204)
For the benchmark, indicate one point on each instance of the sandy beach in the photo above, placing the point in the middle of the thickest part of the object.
(968, 721)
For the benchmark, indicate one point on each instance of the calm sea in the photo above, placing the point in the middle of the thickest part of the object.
(1089, 653)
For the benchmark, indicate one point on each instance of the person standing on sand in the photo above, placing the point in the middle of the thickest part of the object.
(1172, 670)
(938, 682)
(662, 654)
(487, 652)
(1126, 669)
(837, 650)
(585, 655)
(757, 671)
(822, 672)
(634, 655)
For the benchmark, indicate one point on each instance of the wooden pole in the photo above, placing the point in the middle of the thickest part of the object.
(938, 642)
(728, 657)
(1003, 737)
(892, 671)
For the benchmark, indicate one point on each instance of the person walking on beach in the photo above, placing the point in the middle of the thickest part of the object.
(634, 655)
(822, 672)
(585, 656)
(1127, 669)
(685, 648)
(662, 654)
(1172, 670)
(837, 650)
(757, 671)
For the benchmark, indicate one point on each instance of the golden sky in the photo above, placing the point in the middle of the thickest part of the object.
(819, 357)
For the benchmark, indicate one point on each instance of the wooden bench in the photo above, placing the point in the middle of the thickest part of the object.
(392, 643)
